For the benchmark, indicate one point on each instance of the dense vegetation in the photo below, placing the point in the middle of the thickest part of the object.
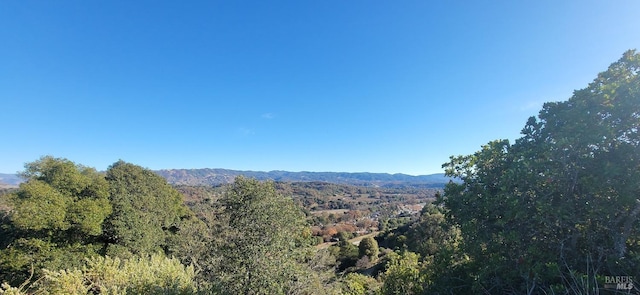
(318, 196)
(556, 212)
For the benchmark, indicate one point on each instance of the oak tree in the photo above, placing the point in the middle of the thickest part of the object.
(564, 198)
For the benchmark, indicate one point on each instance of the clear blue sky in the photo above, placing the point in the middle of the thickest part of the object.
(351, 86)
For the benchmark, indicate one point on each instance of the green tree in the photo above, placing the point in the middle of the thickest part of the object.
(146, 211)
(344, 236)
(263, 234)
(368, 247)
(56, 218)
(563, 199)
(346, 253)
(403, 274)
(359, 284)
(60, 195)
(65, 212)
(431, 233)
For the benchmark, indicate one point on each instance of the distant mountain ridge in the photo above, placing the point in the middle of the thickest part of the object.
(10, 180)
(209, 176)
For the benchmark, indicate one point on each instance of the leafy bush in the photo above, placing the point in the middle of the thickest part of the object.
(104, 275)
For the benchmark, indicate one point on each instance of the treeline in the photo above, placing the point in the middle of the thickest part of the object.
(72, 230)
(317, 196)
(69, 229)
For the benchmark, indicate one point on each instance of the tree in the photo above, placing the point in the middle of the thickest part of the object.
(61, 196)
(346, 253)
(263, 234)
(563, 199)
(403, 274)
(56, 219)
(146, 211)
(431, 233)
(66, 212)
(368, 247)
(359, 284)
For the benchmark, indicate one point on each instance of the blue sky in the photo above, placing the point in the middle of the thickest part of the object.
(350, 86)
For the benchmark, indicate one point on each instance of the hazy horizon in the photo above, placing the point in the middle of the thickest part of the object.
(302, 171)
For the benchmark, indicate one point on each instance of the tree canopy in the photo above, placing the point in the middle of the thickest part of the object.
(56, 217)
(564, 197)
(263, 233)
(146, 210)
(65, 212)
(61, 196)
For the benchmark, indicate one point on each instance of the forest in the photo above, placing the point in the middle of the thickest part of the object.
(555, 212)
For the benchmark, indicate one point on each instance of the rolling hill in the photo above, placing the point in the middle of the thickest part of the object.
(221, 176)
(9, 180)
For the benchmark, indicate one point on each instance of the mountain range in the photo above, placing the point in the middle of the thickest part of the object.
(208, 176)
(221, 176)
(9, 180)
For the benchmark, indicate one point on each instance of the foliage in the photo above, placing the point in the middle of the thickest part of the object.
(61, 196)
(6, 289)
(104, 275)
(403, 274)
(563, 198)
(346, 253)
(431, 233)
(263, 234)
(428, 235)
(146, 211)
(56, 215)
(191, 243)
(443, 265)
(359, 284)
(368, 247)
(388, 224)
(33, 254)
(65, 212)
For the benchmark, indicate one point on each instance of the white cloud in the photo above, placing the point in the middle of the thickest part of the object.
(268, 116)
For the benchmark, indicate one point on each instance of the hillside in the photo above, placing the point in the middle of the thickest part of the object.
(9, 180)
(208, 176)
(221, 176)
